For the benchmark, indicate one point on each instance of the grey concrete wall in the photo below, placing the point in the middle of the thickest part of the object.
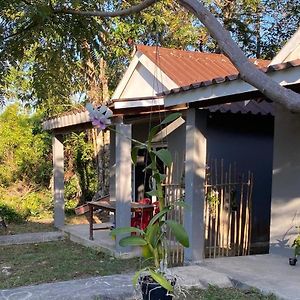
(286, 180)
(176, 145)
(247, 140)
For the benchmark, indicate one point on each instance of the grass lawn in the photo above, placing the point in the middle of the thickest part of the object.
(39, 225)
(215, 293)
(28, 226)
(64, 260)
(55, 261)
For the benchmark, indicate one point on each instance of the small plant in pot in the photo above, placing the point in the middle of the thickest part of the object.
(296, 246)
(155, 281)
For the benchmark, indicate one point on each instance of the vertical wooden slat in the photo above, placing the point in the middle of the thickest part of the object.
(240, 219)
(222, 206)
(227, 192)
(250, 214)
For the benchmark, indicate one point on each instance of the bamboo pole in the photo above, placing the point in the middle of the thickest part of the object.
(240, 217)
(222, 213)
(250, 214)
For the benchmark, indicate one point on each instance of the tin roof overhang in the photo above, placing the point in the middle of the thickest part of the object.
(286, 74)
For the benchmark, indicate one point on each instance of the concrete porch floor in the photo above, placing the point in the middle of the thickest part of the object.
(268, 272)
(102, 239)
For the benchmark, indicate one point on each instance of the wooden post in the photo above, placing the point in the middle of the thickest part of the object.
(194, 184)
(58, 185)
(123, 179)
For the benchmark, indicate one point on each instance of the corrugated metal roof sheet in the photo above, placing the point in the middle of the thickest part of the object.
(244, 107)
(188, 67)
(272, 68)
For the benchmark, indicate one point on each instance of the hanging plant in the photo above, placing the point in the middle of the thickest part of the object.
(212, 198)
(152, 240)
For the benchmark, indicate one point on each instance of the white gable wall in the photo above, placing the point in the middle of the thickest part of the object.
(290, 51)
(143, 78)
(142, 83)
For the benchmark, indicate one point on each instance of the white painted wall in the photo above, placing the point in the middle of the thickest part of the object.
(285, 207)
(141, 84)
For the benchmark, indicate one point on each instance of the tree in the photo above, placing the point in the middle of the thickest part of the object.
(24, 148)
(248, 72)
(52, 18)
(41, 49)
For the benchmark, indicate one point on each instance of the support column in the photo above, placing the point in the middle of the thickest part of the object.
(123, 179)
(58, 186)
(112, 166)
(195, 163)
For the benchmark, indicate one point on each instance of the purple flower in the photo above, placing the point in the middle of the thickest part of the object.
(99, 116)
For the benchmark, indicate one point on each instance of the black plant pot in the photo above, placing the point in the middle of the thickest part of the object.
(292, 261)
(152, 290)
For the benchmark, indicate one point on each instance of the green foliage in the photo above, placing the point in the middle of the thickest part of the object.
(40, 49)
(80, 160)
(296, 246)
(9, 214)
(25, 202)
(24, 148)
(260, 27)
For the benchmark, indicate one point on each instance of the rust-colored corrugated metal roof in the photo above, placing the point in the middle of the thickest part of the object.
(217, 80)
(188, 67)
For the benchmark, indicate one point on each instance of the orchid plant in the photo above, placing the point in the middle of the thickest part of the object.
(152, 240)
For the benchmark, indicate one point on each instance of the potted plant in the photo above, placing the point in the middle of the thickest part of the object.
(296, 246)
(155, 281)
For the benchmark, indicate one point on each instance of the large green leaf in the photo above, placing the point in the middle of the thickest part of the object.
(146, 252)
(170, 118)
(137, 275)
(153, 193)
(179, 232)
(124, 230)
(159, 177)
(165, 156)
(158, 216)
(161, 280)
(153, 234)
(132, 241)
(152, 133)
(134, 154)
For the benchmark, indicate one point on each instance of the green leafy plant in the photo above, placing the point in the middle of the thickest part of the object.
(212, 198)
(296, 243)
(152, 240)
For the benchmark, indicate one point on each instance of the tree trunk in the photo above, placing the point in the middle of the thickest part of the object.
(248, 71)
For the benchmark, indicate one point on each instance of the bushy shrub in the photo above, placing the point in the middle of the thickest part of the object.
(36, 203)
(24, 148)
(26, 202)
(10, 215)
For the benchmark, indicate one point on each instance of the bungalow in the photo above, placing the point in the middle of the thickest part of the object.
(160, 80)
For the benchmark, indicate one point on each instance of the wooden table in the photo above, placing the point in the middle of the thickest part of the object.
(111, 207)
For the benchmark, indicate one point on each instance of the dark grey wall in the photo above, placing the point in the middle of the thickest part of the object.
(247, 140)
